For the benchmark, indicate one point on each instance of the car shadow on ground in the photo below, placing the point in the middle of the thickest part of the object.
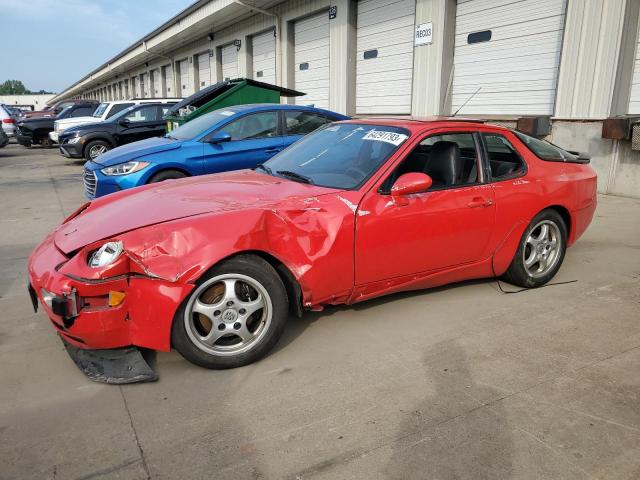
(296, 326)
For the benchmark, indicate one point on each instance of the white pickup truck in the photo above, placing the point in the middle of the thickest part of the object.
(105, 110)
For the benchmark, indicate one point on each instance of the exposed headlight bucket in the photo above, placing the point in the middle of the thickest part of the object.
(124, 168)
(74, 140)
(106, 254)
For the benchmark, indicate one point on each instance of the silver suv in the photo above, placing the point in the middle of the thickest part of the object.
(8, 122)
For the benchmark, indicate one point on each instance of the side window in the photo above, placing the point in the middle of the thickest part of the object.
(144, 114)
(301, 123)
(503, 157)
(256, 125)
(82, 112)
(451, 160)
(164, 109)
(118, 107)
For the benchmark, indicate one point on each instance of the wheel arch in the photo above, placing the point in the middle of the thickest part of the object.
(93, 138)
(167, 168)
(566, 216)
(506, 250)
(291, 284)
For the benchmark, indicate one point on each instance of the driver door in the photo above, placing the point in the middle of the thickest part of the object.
(448, 225)
(255, 138)
(143, 122)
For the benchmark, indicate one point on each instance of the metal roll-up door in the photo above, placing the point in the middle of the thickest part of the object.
(511, 51)
(229, 59)
(311, 37)
(634, 99)
(136, 87)
(168, 80)
(204, 70)
(146, 84)
(384, 66)
(185, 83)
(154, 84)
(264, 57)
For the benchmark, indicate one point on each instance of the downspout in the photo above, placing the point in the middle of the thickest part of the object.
(278, 33)
(173, 69)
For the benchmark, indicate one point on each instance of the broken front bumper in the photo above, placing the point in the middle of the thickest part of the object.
(82, 313)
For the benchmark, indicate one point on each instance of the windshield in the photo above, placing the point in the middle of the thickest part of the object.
(544, 149)
(341, 155)
(200, 124)
(100, 110)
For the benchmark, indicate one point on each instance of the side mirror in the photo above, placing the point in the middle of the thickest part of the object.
(408, 184)
(124, 122)
(219, 137)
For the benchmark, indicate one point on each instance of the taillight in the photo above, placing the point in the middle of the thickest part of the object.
(8, 120)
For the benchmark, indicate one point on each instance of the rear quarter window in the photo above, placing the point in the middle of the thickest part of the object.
(545, 150)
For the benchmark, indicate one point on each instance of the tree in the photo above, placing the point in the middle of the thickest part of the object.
(13, 87)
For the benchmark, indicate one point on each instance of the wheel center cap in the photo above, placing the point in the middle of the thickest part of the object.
(229, 315)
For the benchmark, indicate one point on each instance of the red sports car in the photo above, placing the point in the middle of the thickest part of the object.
(215, 265)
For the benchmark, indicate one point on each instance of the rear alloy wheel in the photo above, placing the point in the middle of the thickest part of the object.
(541, 251)
(235, 315)
(95, 148)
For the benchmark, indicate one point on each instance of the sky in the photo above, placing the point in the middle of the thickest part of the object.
(50, 44)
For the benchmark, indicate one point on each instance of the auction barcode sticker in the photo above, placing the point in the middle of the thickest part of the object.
(389, 137)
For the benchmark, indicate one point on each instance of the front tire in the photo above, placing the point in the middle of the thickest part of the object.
(541, 251)
(234, 316)
(95, 148)
(166, 175)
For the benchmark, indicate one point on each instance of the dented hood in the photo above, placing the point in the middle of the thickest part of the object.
(121, 212)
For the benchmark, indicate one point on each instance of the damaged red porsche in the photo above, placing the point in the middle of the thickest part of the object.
(215, 265)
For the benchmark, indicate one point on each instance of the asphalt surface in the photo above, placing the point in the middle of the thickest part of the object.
(462, 382)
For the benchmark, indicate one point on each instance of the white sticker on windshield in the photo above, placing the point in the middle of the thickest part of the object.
(389, 137)
(226, 113)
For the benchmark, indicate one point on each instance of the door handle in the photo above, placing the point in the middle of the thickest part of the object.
(480, 202)
(272, 150)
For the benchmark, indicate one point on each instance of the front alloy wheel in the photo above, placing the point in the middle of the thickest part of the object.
(235, 315)
(228, 314)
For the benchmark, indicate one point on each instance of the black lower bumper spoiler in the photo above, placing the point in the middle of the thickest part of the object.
(116, 366)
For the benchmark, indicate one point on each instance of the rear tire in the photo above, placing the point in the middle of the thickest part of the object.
(234, 316)
(541, 251)
(95, 148)
(166, 175)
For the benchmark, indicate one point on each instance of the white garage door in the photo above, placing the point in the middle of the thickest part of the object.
(136, 87)
(145, 83)
(312, 60)
(170, 87)
(204, 70)
(229, 62)
(264, 57)
(634, 100)
(154, 84)
(511, 51)
(384, 66)
(185, 79)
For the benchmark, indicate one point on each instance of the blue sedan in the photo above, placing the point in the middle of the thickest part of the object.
(231, 138)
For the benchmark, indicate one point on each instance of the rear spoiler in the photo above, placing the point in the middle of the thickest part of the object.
(581, 157)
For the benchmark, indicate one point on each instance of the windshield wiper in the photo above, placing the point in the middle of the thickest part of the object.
(295, 176)
(262, 166)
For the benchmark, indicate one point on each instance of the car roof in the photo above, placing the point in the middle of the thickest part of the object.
(418, 123)
(142, 100)
(276, 106)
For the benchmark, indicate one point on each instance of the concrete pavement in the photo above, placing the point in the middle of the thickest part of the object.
(461, 382)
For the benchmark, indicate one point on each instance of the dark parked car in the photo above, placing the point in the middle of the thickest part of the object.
(4, 139)
(50, 110)
(135, 123)
(36, 130)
